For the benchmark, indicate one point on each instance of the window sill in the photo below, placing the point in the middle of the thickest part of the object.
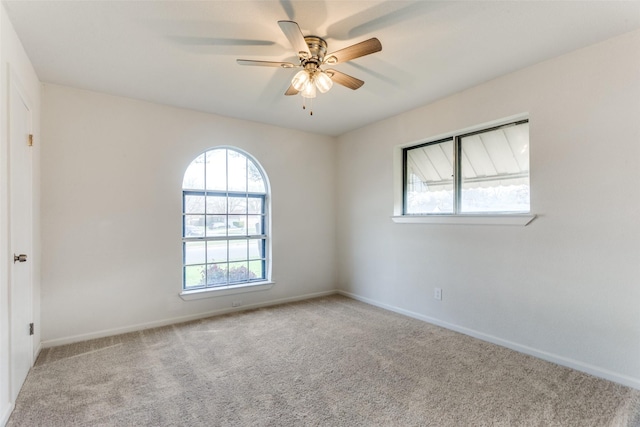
(478, 219)
(226, 290)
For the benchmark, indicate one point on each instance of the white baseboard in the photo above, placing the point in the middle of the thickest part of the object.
(6, 415)
(550, 357)
(171, 321)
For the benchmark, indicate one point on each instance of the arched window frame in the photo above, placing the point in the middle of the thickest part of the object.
(236, 280)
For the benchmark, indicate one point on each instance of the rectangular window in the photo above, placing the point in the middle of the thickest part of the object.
(486, 171)
(223, 238)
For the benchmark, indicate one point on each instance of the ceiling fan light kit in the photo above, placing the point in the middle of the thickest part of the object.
(311, 51)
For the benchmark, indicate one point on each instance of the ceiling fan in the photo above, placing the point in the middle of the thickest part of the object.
(312, 56)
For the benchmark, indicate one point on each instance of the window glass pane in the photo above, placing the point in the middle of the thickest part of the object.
(216, 225)
(429, 179)
(256, 248)
(217, 274)
(216, 163)
(518, 137)
(193, 204)
(237, 171)
(194, 253)
(216, 205)
(254, 224)
(256, 270)
(238, 205)
(194, 176)
(255, 205)
(193, 276)
(194, 226)
(216, 251)
(237, 225)
(238, 250)
(255, 180)
(239, 272)
(495, 171)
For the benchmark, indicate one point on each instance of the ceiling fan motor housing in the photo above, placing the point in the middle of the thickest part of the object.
(317, 48)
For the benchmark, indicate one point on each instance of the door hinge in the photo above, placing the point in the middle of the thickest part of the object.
(30, 142)
(30, 328)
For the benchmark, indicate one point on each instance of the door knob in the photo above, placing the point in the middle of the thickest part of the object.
(19, 258)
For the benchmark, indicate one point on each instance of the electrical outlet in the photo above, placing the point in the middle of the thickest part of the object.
(437, 293)
(236, 303)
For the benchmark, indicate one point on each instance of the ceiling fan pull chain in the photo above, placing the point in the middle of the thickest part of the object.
(304, 104)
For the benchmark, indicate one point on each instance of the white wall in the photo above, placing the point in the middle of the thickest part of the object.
(566, 287)
(13, 59)
(112, 172)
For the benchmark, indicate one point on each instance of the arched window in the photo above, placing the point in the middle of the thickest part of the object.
(224, 220)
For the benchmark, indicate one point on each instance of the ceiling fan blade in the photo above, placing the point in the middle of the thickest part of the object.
(344, 79)
(295, 37)
(382, 15)
(291, 91)
(265, 63)
(357, 50)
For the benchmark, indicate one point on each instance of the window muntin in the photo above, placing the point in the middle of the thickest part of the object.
(481, 172)
(224, 217)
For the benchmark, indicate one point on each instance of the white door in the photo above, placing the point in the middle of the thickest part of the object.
(20, 228)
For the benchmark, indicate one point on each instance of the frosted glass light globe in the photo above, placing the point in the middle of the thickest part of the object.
(300, 80)
(323, 81)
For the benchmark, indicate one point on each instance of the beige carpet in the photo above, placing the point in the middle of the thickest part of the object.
(329, 361)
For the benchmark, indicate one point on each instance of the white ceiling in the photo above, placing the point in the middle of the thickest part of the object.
(183, 53)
